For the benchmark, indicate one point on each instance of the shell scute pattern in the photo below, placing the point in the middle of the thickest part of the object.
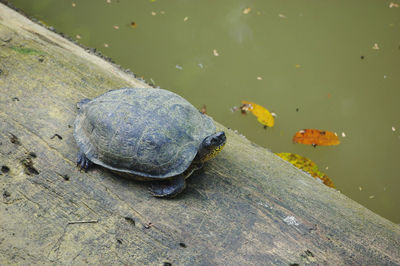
(147, 132)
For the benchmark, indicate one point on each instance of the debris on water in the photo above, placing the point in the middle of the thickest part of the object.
(215, 52)
(372, 196)
(343, 135)
(375, 47)
(259, 78)
(282, 16)
(185, 19)
(78, 36)
(360, 188)
(200, 65)
(246, 10)
(73, 4)
(106, 45)
(116, 27)
(153, 13)
(179, 67)
(203, 109)
(391, 5)
(393, 129)
(234, 109)
(133, 24)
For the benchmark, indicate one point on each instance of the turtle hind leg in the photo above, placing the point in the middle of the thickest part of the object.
(169, 188)
(82, 161)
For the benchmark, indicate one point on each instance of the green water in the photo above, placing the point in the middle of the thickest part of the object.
(315, 58)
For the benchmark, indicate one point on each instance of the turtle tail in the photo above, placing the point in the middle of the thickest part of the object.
(82, 102)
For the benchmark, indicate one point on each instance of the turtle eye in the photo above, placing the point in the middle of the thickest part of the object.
(214, 141)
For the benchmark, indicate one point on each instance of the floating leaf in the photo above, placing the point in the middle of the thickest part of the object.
(306, 165)
(246, 10)
(262, 114)
(316, 137)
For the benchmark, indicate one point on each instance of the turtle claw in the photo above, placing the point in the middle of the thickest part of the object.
(169, 188)
(83, 162)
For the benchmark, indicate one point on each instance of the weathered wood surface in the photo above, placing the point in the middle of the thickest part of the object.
(246, 207)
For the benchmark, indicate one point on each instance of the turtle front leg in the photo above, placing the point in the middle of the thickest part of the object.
(169, 188)
(82, 161)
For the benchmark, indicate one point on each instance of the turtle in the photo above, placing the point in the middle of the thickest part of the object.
(146, 134)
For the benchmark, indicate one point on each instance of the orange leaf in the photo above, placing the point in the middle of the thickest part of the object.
(316, 137)
(262, 114)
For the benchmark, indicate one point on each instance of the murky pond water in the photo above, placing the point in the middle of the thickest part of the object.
(332, 65)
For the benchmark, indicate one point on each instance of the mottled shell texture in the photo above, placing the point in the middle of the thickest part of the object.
(151, 133)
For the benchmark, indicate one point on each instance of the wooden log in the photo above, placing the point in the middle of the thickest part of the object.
(247, 206)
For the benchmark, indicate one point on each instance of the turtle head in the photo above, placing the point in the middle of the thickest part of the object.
(211, 146)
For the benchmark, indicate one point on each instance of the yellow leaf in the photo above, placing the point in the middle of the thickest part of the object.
(306, 165)
(262, 114)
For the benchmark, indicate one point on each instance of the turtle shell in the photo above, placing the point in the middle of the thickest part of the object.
(152, 133)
